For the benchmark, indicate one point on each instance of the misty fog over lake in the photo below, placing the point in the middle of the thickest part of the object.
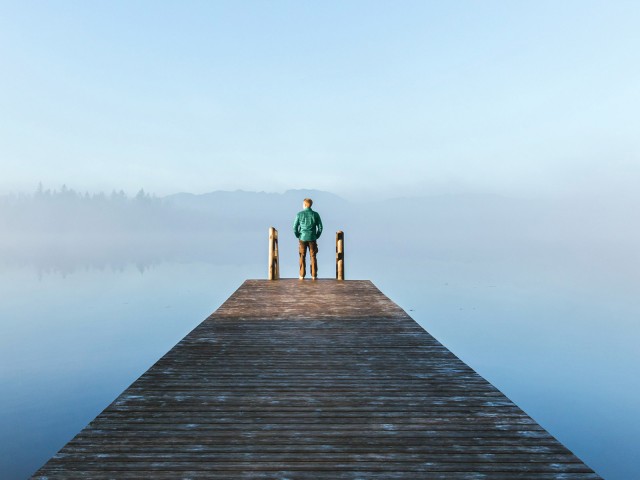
(540, 296)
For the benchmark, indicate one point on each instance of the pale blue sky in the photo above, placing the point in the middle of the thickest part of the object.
(373, 98)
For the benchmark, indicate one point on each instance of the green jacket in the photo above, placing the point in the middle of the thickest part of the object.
(307, 226)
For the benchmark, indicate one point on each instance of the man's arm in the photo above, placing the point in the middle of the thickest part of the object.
(318, 225)
(296, 226)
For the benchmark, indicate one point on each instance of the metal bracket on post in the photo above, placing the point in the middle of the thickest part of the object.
(274, 264)
(340, 255)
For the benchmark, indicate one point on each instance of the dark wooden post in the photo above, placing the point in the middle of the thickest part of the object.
(340, 255)
(274, 264)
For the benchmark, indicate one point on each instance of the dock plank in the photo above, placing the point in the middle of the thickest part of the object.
(294, 379)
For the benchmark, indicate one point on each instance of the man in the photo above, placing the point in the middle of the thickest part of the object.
(307, 229)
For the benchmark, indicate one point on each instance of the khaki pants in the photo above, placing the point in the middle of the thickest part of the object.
(313, 250)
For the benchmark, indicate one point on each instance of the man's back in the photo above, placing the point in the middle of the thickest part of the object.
(308, 225)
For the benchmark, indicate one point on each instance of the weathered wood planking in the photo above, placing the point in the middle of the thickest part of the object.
(309, 379)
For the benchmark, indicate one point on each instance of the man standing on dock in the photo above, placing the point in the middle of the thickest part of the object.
(307, 229)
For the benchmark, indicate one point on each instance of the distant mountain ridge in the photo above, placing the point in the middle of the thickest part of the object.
(484, 217)
(240, 199)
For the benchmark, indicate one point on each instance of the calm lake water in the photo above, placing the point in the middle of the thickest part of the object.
(559, 338)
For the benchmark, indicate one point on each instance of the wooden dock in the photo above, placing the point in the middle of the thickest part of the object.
(322, 379)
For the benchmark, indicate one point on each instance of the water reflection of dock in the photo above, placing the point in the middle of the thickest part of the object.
(306, 380)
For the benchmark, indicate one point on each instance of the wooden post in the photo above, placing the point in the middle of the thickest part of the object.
(274, 267)
(340, 255)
